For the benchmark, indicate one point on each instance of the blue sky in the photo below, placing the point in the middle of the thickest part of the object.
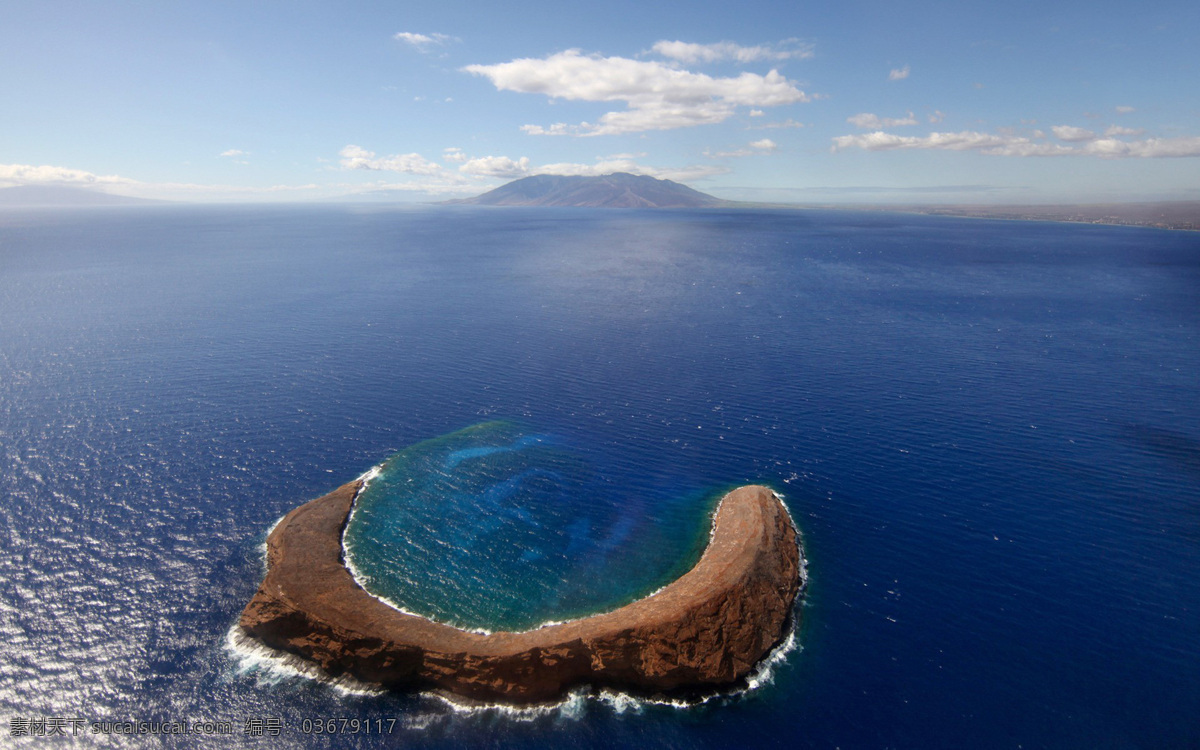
(811, 102)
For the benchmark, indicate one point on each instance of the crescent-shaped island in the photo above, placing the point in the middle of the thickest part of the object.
(707, 628)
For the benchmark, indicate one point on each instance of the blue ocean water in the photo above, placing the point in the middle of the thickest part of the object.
(987, 432)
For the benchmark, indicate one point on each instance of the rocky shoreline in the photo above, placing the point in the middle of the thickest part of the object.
(707, 628)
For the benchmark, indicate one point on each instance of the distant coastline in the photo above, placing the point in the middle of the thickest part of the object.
(60, 196)
(1174, 215)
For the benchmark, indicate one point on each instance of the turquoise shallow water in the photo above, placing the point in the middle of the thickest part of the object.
(498, 527)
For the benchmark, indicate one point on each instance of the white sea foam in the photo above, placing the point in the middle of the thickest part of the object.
(262, 548)
(368, 475)
(271, 667)
(571, 706)
(803, 563)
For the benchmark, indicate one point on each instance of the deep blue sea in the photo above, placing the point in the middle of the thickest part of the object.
(987, 432)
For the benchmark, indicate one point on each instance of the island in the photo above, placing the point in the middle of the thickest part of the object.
(708, 628)
(616, 190)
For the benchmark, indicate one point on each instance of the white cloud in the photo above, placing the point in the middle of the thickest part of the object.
(12, 175)
(685, 174)
(1013, 145)
(1151, 148)
(190, 191)
(763, 146)
(1124, 110)
(608, 166)
(1072, 134)
(23, 174)
(423, 42)
(354, 157)
(937, 116)
(558, 128)
(788, 123)
(658, 97)
(898, 74)
(1118, 130)
(868, 121)
(496, 166)
(28, 174)
(966, 140)
(691, 53)
(234, 152)
(507, 168)
(448, 183)
(756, 113)
(880, 141)
(599, 168)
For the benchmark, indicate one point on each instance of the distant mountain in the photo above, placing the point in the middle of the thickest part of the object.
(617, 190)
(59, 196)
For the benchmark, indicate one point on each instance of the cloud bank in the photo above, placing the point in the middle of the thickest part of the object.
(28, 174)
(657, 96)
(1084, 143)
(1072, 134)
(473, 169)
(496, 166)
(354, 157)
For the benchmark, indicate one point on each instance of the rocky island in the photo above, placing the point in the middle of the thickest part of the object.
(707, 628)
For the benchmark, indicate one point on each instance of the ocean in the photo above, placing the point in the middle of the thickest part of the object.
(988, 434)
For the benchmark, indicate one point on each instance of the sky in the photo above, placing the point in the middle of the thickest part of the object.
(859, 101)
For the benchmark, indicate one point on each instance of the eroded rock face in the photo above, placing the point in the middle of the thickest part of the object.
(707, 628)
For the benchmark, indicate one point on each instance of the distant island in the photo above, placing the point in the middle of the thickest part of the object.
(616, 190)
(706, 629)
(62, 196)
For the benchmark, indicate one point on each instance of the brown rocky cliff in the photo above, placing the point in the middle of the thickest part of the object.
(707, 628)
